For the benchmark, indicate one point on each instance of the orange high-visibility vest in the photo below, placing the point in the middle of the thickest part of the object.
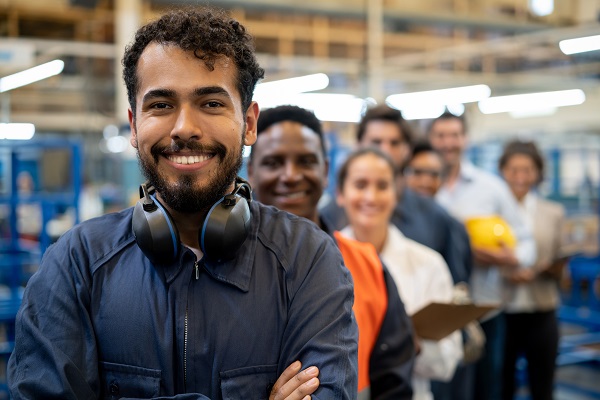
(370, 298)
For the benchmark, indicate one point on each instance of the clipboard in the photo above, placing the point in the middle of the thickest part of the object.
(435, 321)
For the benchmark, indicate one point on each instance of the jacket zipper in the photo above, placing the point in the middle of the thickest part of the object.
(185, 331)
(185, 342)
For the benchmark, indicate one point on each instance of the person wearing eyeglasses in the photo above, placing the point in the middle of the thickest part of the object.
(424, 171)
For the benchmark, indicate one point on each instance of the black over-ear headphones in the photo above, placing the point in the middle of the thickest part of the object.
(223, 232)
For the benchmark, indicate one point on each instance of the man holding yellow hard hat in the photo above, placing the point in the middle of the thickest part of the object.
(490, 232)
(500, 240)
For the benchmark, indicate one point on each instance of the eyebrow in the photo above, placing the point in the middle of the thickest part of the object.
(158, 93)
(168, 93)
(202, 91)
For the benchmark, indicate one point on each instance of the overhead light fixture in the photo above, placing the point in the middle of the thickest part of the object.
(31, 75)
(16, 131)
(273, 93)
(456, 109)
(541, 8)
(580, 45)
(331, 106)
(464, 94)
(423, 112)
(542, 112)
(532, 101)
(327, 106)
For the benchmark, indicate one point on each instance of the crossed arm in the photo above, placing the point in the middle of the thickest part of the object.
(294, 384)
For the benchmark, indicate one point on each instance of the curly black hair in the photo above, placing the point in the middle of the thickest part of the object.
(208, 33)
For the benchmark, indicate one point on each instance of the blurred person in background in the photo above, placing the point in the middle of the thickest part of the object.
(366, 190)
(288, 169)
(425, 169)
(424, 173)
(532, 294)
(467, 192)
(418, 217)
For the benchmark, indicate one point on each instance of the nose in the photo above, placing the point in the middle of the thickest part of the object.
(187, 125)
(291, 173)
(386, 147)
(370, 194)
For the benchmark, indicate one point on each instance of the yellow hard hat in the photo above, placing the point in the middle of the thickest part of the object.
(490, 232)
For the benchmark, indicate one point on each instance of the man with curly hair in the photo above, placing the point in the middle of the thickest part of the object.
(118, 311)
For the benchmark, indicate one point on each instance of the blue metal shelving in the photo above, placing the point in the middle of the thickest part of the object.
(20, 256)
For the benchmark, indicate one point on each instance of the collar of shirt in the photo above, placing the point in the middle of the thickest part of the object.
(467, 171)
(527, 208)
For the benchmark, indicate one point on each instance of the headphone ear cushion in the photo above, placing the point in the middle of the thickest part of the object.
(225, 229)
(155, 233)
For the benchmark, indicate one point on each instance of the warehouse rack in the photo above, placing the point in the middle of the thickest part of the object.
(55, 166)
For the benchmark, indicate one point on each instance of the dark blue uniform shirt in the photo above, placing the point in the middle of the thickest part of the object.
(98, 320)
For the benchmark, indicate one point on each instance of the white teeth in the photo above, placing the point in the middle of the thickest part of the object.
(188, 159)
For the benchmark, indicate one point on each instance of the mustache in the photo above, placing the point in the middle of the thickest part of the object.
(178, 145)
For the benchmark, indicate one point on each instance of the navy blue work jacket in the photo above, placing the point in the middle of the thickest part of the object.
(99, 321)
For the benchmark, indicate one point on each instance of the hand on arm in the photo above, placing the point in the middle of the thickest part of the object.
(504, 257)
(521, 276)
(294, 384)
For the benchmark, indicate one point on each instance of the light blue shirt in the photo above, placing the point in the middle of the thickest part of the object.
(479, 193)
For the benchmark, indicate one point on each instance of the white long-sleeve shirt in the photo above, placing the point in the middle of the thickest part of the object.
(479, 193)
(422, 276)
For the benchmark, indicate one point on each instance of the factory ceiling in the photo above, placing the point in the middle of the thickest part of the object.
(368, 48)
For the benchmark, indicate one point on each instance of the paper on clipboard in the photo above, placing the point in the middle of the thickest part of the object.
(435, 321)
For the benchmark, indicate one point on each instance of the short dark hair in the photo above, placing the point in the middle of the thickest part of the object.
(423, 146)
(420, 147)
(342, 173)
(272, 116)
(529, 149)
(383, 112)
(208, 33)
(447, 116)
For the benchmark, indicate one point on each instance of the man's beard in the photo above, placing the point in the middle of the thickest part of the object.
(184, 196)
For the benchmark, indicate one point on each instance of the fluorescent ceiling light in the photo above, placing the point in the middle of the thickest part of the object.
(423, 112)
(541, 8)
(456, 109)
(327, 106)
(464, 94)
(580, 45)
(31, 75)
(275, 92)
(541, 112)
(332, 106)
(16, 131)
(532, 101)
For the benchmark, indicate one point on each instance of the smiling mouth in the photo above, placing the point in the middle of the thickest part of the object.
(293, 196)
(185, 160)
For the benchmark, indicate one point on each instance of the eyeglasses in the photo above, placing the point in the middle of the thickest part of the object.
(423, 171)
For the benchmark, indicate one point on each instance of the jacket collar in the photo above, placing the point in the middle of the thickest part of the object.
(236, 272)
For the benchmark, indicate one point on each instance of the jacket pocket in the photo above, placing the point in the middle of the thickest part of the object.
(120, 380)
(248, 383)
